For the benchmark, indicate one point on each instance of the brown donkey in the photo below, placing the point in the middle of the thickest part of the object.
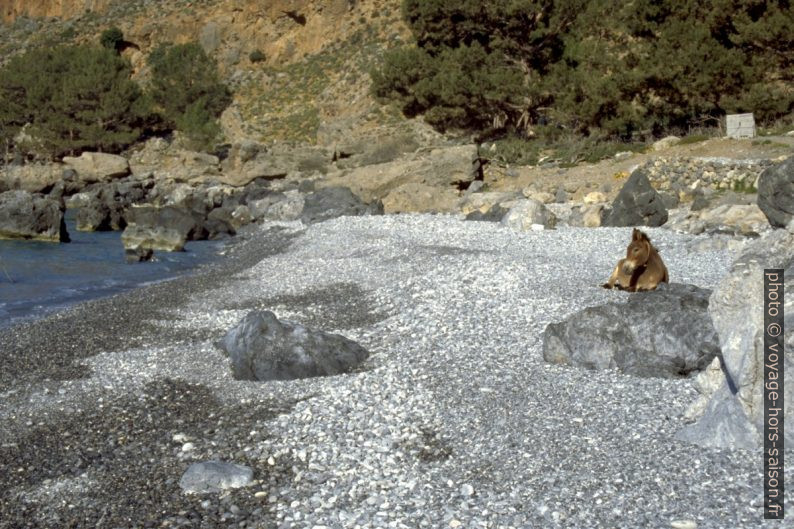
(642, 269)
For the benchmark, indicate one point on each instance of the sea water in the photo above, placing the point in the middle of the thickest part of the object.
(37, 278)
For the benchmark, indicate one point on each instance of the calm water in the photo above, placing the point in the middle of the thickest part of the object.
(38, 277)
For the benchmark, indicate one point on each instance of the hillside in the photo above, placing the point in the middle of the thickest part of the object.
(316, 53)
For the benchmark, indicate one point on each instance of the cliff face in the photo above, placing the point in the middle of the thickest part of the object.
(310, 82)
(11, 9)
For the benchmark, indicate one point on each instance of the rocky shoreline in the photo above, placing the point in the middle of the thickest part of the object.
(162, 196)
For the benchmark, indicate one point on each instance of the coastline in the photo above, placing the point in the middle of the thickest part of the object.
(50, 346)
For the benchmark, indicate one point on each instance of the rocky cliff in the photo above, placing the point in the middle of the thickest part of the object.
(11, 9)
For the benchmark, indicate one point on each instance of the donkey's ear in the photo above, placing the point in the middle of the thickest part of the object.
(636, 234)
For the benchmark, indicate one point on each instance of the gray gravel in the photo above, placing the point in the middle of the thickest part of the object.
(454, 421)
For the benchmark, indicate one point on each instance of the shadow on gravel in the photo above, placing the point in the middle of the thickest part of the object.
(119, 463)
(47, 348)
(335, 307)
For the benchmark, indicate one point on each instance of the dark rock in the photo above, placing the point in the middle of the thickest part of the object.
(255, 191)
(776, 193)
(306, 186)
(215, 476)
(663, 333)
(231, 216)
(263, 348)
(700, 203)
(494, 214)
(637, 204)
(31, 216)
(332, 202)
(137, 255)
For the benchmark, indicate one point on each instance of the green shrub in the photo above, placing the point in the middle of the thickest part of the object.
(71, 99)
(256, 56)
(112, 39)
(187, 90)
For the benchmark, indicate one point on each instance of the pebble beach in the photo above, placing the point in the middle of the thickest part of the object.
(453, 421)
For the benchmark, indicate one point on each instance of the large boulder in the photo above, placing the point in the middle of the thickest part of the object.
(98, 167)
(527, 213)
(263, 348)
(776, 193)
(101, 207)
(160, 228)
(24, 215)
(637, 204)
(663, 333)
(733, 416)
(332, 202)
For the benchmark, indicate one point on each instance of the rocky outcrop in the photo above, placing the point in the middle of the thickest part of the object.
(33, 178)
(663, 333)
(332, 202)
(730, 413)
(416, 197)
(776, 193)
(10, 10)
(732, 219)
(102, 206)
(637, 204)
(92, 167)
(160, 228)
(24, 215)
(263, 348)
(249, 161)
(452, 168)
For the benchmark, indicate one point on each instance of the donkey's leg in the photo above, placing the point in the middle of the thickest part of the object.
(614, 277)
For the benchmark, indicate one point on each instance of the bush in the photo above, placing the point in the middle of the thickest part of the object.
(112, 39)
(71, 99)
(187, 91)
(256, 56)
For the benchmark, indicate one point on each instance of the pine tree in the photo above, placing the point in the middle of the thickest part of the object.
(73, 98)
(187, 90)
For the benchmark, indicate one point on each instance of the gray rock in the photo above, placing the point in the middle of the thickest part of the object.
(734, 419)
(263, 348)
(561, 196)
(331, 202)
(494, 214)
(160, 228)
(776, 193)
(25, 215)
(527, 212)
(215, 476)
(637, 204)
(663, 333)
